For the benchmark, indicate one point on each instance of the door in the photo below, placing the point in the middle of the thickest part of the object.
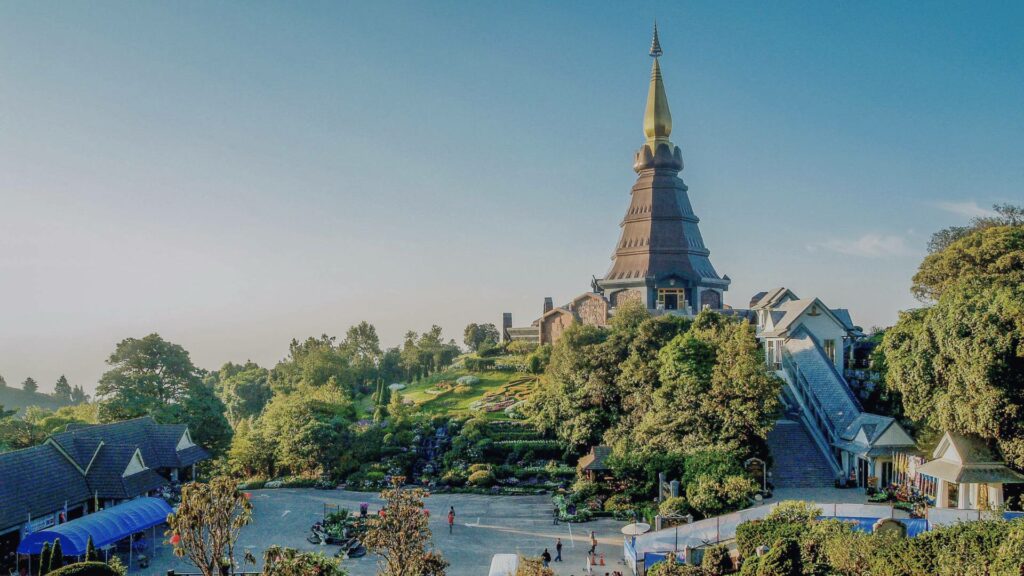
(671, 301)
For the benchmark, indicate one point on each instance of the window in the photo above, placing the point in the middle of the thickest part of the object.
(774, 348)
(830, 350)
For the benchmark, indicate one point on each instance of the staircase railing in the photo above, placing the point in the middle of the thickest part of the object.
(818, 417)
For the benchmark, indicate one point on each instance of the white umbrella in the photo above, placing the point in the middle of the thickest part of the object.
(636, 529)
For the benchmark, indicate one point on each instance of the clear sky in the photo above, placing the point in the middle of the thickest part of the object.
(236, 174)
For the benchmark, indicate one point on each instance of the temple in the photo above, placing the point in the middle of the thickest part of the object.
(660, 259)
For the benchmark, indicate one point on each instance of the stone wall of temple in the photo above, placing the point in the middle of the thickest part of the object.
(552, 326)
(592, 309)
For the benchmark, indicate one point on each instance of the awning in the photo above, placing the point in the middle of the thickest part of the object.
(106, 527)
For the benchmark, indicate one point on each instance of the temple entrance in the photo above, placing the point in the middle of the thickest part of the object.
(671, 298)
(710, 299)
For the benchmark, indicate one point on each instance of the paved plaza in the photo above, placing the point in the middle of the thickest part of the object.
(485, 525)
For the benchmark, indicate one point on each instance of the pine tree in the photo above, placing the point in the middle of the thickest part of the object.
(62, 390)
(44, 558)
(78, 395)
(56, 556)
(3, 383)
(29, 385)
(90, 551)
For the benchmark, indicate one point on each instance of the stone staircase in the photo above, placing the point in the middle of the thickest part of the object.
(798, 463)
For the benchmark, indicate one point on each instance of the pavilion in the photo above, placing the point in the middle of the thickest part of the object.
(969, 475)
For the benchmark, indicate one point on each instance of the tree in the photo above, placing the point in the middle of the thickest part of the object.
(44, 557)
(989, 253)
(782, 559)
(305, 432)
(244, 389)
(90, 551)
(3, 383)
(29, 385)
(476, 336)
(207, 523)
(78, 395)
(16, 434)
(151, 376)
(362, 347)
(62, 390)
(56, 556)
(400, 534)
(1003, 215)
(957, 364)
(716, 392)
(314, 362)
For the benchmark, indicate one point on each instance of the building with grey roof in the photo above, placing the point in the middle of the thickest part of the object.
(87, 467)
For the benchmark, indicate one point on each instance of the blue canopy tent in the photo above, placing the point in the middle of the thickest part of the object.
(106, 527)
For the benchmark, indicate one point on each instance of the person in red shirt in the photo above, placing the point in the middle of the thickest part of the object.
(451, 519)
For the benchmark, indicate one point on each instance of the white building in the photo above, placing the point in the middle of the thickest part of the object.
(807, 344)
(969, 475)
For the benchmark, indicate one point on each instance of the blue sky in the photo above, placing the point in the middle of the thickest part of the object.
(233, 175)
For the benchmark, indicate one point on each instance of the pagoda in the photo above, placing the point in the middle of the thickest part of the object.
(661, 259)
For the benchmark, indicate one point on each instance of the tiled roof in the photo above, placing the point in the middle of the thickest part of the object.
(595, 460)
(85, 460)
(106, 475)
(36, 481)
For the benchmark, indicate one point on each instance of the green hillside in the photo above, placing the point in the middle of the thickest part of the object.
(18, 399)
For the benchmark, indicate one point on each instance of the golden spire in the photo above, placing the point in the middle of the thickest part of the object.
(657, 117)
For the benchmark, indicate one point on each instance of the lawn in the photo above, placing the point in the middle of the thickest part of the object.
(437, 395)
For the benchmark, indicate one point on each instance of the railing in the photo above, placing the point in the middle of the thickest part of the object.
(810, 399)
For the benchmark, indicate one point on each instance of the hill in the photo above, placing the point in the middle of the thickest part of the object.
(18, 399)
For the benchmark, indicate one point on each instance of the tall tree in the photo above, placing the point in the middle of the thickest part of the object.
(62, 390)
(29, 385)
(3, 383)
(476, 336)
(151, 376)
(362, 347)
(958, 364)
(315, 362)
(245, 389)
(78, 395)
(1002, 215)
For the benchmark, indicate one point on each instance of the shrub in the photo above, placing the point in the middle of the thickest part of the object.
(521, 347)
(618, 503)
(794, 511)
(478, 364)
(749, 566)
(454, 478)
(711, 462)
(489, 350)
(677, 506)
(85, 569)
(481, 478)
(670, 567)
(716, 561)
(750, 535)
(583, 490)
(462, 389)
(479, 467)
(713, 496)
(468, 380)
(783, 559)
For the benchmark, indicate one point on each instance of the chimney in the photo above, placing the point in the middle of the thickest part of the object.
(506, 323)
(548, 304)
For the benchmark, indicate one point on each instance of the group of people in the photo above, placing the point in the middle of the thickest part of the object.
(546, 556)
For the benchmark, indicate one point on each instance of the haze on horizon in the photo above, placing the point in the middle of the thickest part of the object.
(233, 176)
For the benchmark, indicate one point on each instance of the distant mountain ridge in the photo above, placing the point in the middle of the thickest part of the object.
(18, 399)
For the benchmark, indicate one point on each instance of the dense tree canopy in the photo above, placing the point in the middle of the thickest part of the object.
(476, 336)
(151, 376)
(244, 389)
(959, 364)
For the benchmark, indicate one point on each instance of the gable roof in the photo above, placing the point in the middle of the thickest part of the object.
(595, 460)
(106, 476)
(793, 310)
(977, 463)
(157, 442)
(772, 298)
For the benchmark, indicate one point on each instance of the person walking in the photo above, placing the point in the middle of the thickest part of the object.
(558, 550)
(451, 519)
(593, 547)
(546, 557)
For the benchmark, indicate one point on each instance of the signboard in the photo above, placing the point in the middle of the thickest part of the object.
(39, 524)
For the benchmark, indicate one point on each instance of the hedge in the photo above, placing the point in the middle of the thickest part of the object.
(85, 569)
(750, 535)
